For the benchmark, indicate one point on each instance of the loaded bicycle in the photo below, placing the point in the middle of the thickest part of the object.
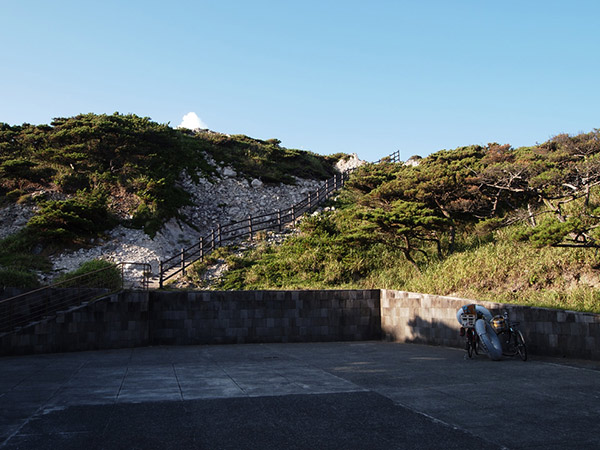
(467, 321)
(511, 338)
(497, 336)
(475, 326)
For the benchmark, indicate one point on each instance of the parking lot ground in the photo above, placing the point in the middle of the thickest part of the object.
(351, 395)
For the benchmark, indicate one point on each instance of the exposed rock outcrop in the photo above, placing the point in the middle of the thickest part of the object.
(13, 218)
(413, 161)
(223, 200)
(350, 163)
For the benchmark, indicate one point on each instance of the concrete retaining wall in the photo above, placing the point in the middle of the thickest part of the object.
(264, 316)
(116, 321)
(36, 303)
(132, 319)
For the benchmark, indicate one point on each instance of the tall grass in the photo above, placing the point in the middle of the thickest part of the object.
(498, 269)
(515, 272)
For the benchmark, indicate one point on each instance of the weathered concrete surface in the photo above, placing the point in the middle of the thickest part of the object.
(320, 395)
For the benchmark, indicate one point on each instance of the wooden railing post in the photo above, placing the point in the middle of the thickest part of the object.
(212, 239)
(160, 274)
(201, 243)
(279, 219)
(294, 214)
(11, 315)
(309, 201)
(219, 234)
(183, 261)
(250, 226)
(122, 275)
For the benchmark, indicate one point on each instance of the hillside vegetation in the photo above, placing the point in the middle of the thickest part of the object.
(90, 172)
(494, 223)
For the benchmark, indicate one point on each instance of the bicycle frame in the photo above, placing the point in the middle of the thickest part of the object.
(468, 330)
(513, 342)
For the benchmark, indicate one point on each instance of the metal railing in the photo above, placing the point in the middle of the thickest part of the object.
(220, 235)
(46, 302)
(392, 158)
(247, 228)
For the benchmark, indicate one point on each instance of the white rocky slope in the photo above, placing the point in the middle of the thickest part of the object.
(223, 200)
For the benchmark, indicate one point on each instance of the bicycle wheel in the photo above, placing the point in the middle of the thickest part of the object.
(508, 346)
(470, 345)
(521, 347)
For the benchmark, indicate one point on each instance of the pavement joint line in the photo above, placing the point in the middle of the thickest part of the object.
(177, 379)
(113, 405)
(297, 384)
(449, 425)
(437, 390)
(356, 388)
(122, 383)
(235, 382)
(41, 408)
(30, 376)
(62, 385)
(25, 422)
(569, 366)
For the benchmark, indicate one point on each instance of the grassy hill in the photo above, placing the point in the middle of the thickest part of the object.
(492, 223)
(487, 222)
(87, 173)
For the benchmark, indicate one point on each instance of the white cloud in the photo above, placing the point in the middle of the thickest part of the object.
(191, 121)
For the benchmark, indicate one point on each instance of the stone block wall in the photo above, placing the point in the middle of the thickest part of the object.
(116, 321)
(39, 302)
(561, 333)
(133, 319)
(419, 318)
(213, 317)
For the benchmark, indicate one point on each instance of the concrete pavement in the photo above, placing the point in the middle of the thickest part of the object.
(374, 395)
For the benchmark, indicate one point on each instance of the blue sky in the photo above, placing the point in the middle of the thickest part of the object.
(326, 76)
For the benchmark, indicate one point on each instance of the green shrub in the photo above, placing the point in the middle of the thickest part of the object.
(18, 278)
(17, 168)
(21, 168)
(17, 252)
(160, 201)
(265, 160)
(67, 221)
(93, 274)
(14, 195)
(73, 182)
